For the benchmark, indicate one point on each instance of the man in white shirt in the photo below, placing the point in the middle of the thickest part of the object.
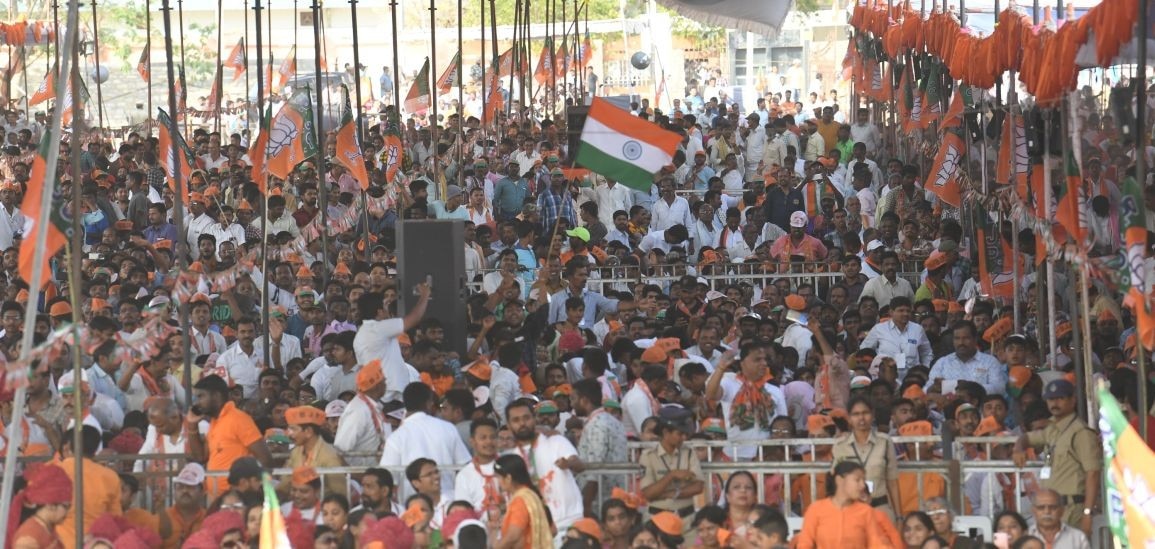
(204, 341)
(242, 361)
(423, 435)
(888, 286)
(550, 457)
(362, 428)
(611, 197)
(900, 339)
(863, 131)
(755, 142)
(1049, 526)
(640, 402)
(749, 401)
(670, 209)
(199, 223)
(283, 347)
(278, 222)
(377, 337)
(477, 482)
(165, 435)
(815, 144)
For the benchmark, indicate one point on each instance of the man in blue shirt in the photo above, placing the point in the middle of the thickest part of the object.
(159, 228)
(555, 202)
(509, 193)
(577, 272)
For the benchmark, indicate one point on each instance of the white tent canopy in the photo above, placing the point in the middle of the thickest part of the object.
(763, 17)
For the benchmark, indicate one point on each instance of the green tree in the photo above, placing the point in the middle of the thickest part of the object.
(131, 34)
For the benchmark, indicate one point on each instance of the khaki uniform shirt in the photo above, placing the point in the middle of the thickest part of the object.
(1072, 450)
(325, 456)
(877, 456)
(657, 463)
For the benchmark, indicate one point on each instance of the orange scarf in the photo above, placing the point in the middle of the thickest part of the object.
(752, 406)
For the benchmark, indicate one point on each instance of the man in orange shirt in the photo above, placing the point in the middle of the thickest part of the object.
(101, 491)
(232, 433)
(933, 484)
(181, 520)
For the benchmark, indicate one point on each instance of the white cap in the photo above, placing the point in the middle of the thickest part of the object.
(714, 294)
(874, 245)
(335, 408)
(193, 474)
(799, 219)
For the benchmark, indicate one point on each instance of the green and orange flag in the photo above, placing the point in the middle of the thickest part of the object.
(58, 225)
(419, 98)
(292, 135)
(451, 78)
(348, 148)
(1127, 471)
(175, 154)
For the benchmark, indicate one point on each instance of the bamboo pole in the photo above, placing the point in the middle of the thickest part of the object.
(319, 116)
(96, 56)
(74, 287)
(40, 242)
(1141, 176)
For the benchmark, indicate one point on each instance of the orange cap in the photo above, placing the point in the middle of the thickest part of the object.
(60, 308)
(196, 197)
(563, 389)
(244, 205)
(97, 303)
(200, 297)
(228, 331)
(1018, 376)
(124, 225)
(921, 428)
(589, 527)
(796, 302)
(668, 523)
(1106, 314)
(403, 339)
(304, 475)
(937, 259)
(654, 355)
(22, 296)
(196, 267)
(836, 413)
(276, 191)
(816, 424)
(954, 307)
(941, 305)
(1063, 329)
(370, 375)
(1000, 329)
(914, 392)
(342, 269)
(669, 345)
(304, 415)
(413, 515)
(633, 501)
(988, 426)
(162, 244)
(480, 369)
(304, 272)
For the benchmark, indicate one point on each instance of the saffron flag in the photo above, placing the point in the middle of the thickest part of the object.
(1037, 180)
(582, 58)
(288, 68)
(257, 150)
(392, 154)
(1013, 165)
(59, 226)
(67, 105)
(563, 60)
(214, 100)
(348, 149)
(451, 78)
(1132, 220)
(273, 533)
(144, 64)
(1070, 212)
(545, 68)
(494, 98)
(292, 135)
(175, 155)
(505, 63)
(46, 90)
(931, 95)
(944, 173)
(996, 274)
(624, 148)
(954, 114)
(238, 58)
(419, 99)
(1128, 468)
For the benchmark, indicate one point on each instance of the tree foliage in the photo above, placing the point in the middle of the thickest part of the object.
(129, 20)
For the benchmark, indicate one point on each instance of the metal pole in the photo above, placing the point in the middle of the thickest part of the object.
(96, 57)
(1048, 192)
(484, 69)
(264, 174)
(40, 241)
(178, 199)
(247, 71)
(219, 77)
(396, 65)
(74, 287)
(184, 81)
(148, 56)
(319, 115)
(357, 71)
(1141, 176)
(460, 94)
(434, 99)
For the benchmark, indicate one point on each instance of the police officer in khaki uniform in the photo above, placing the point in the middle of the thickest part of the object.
(672, 475)
(875, 451)
(1071, 454)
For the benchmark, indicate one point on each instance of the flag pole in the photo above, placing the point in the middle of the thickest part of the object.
(513, 62)
(148, 56)
(74, 288)
(319, 120)
(96, 57)
(433, 100)
(245, 52)
(1141, 179)
(481, 27)
(184, 84)
(357, 118)
(460, 91)
(264, 172)
(552, 96)
(181, 245)
(396, 64)
(40, 243)
(219, 77)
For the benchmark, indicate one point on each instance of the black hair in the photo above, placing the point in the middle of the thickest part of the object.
(413, 470)
(417, 397)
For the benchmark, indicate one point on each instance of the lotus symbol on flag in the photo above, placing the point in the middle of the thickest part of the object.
(353, 156)
(281, 135)
(389, 155)
(949, 164)
(632, 150)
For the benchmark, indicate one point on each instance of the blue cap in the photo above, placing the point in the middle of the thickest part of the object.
(1059, 388)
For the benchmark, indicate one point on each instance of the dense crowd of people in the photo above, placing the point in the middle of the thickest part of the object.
(788, 276)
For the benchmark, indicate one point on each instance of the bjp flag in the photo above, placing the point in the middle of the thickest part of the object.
(1129, 466)
(292, 135)
(52, 221)
(348, 149)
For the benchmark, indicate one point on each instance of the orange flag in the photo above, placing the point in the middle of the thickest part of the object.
(142, 65)
(238, 59)
(292, 135)
(348, 149)
(944, 173)
(52, 221)
(545, 62)
(257, 150)
(391, 155)
(47, 89)
(288, 68)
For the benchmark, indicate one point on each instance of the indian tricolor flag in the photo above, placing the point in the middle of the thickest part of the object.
(273, 533)
(624, 148)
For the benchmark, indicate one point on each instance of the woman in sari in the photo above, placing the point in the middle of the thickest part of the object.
(48, 497)
(526, 524)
